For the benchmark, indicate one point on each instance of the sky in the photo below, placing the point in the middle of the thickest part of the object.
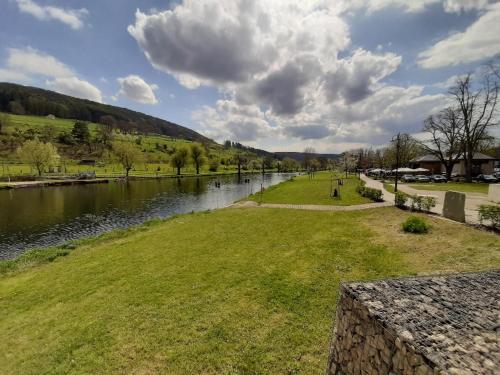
(280, 75)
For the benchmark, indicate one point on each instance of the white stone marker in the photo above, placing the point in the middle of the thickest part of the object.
(454, 206)
(494, 193)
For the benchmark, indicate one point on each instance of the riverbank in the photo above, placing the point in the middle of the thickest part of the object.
(248, 290)
(105, 179)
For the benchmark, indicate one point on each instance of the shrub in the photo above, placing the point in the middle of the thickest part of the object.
(400, 199)
(415, 225)
(428, 203)
(416, 203)
(213, 166)
(371, 193)
(490, 213)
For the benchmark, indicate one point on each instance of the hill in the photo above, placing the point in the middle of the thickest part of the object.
(26, 100)
(299, 156)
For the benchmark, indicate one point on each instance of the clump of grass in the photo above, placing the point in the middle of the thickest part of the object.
(414, 224)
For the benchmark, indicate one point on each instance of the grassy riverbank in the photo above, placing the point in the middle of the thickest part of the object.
(306, 190)
(230, 291)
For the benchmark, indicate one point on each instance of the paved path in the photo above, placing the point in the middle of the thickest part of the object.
(472, 201)
(388, 197)
(313, 207)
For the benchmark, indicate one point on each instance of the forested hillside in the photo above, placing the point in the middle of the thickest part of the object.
(25, 100)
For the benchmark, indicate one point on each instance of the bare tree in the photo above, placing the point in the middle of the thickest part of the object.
(446, 131)
(478, 112)
(240, 160)
(409, 148)
(309, 153)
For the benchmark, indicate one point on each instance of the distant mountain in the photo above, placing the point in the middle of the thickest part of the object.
(28, 100)
(299, 156)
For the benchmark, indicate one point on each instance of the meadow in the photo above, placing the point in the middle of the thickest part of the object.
(318, 189)
(231, 291)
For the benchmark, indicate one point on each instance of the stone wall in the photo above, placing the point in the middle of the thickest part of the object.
(361, 345)
(444, 324)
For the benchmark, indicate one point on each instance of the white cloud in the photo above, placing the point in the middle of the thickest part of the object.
(459, 6)
(32, 61)
(74, 86)
(221, 42)
(228, 120)
(135, 88)
(8, 75)
(277, 68)
(24, 65)
(479, 41)
(70, 17)
(416, 6)
(356, 77)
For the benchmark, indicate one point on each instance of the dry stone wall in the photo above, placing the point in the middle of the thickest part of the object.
(419, 326)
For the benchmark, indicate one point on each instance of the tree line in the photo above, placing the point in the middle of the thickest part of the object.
(460, 130)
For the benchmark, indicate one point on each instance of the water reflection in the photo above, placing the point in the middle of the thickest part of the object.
(38, 217)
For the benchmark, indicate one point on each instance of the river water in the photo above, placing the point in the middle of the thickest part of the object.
(40, 217)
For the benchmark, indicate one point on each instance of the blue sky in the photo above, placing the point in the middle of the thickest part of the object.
(280, 75)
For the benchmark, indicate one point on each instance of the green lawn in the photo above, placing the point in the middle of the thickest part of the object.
(389, 187)
(232, 291)
(466, 187)
(305, 190)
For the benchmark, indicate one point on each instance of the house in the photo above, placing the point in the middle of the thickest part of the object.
(481, 164)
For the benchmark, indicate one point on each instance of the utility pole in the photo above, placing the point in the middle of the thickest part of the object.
(398, 146)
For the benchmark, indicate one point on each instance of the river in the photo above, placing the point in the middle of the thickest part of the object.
(48, 216)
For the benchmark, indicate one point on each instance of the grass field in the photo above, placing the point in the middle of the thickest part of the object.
(466, 187)
(232, 291)
(305, 190)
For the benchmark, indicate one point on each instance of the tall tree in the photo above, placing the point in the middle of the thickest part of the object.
(198, 156)
(81, 134)
(105, 129)
(38, 154)
(239, 159)
(179, 159)
(309, 153)
(127, 154)
(477, 104)
(409, 148)
(446, 132)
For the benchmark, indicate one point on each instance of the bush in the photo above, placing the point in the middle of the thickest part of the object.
(415, 225)
(213, 166)
(416, 203)
(400, 199)
(421, 203)
(428, 203)
(371, 193)
(490, 213)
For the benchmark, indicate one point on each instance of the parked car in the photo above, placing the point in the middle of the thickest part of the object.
(496, 175)
(422, 178)
(488, 178)
(438, 178)
(408, 178)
